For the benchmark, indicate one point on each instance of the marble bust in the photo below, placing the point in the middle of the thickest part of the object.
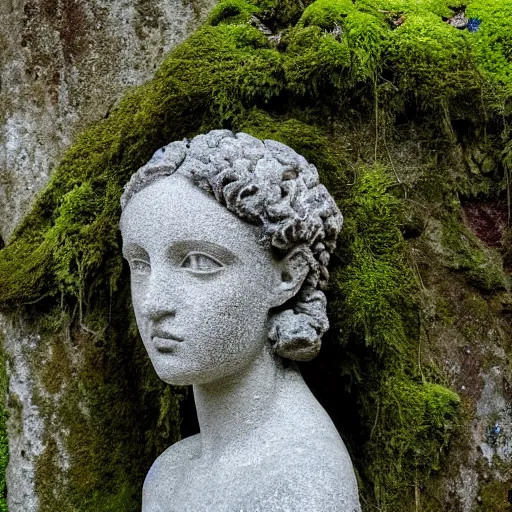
(228, 240)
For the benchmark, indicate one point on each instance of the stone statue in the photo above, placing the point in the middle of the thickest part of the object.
(228, 240)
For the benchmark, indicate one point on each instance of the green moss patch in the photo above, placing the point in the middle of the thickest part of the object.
(232, 11)
(408, 419)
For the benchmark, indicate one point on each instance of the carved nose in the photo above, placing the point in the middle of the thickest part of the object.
(159, 301)
(156, 312)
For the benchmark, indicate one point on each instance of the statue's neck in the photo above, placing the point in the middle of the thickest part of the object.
(232, 408)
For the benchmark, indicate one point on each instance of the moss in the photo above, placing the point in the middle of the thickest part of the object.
(483, 268)
(375, 279)
(414, 424)
(409, 420)
(367, 37)
(318, 62)
(326, 14)
(441, 8)
(279, 14)
(496, 496)
(232, 11)
(55, 372)
(432, 62)
(492, 49)
(334, 47)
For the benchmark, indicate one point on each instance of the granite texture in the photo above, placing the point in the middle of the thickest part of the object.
(217, 276)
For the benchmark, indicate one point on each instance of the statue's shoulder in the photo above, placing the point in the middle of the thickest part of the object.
(176, 456)
(310, 469)
(186, 449)
(317, 478)
(167, 468)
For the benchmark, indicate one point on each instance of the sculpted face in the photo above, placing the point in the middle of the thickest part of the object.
(202, 282)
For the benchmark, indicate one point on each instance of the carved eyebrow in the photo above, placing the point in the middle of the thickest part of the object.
(178, 251)
(134, 251)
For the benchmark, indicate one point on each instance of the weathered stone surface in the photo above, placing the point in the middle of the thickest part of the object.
(25, 422)
(63, 65)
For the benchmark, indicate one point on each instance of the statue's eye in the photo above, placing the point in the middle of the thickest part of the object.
(201, 263)
(140, 267)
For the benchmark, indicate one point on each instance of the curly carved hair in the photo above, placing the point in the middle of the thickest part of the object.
(269, 184)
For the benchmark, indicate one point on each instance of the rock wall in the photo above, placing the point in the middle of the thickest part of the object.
(63, 65)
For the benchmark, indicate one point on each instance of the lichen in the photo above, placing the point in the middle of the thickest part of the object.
(335, 81)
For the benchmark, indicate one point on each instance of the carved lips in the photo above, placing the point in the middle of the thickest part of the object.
(164, 341)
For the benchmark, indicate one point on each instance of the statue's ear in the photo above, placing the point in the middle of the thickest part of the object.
(294, 269)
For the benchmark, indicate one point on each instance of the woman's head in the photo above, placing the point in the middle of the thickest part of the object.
(275, 190)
